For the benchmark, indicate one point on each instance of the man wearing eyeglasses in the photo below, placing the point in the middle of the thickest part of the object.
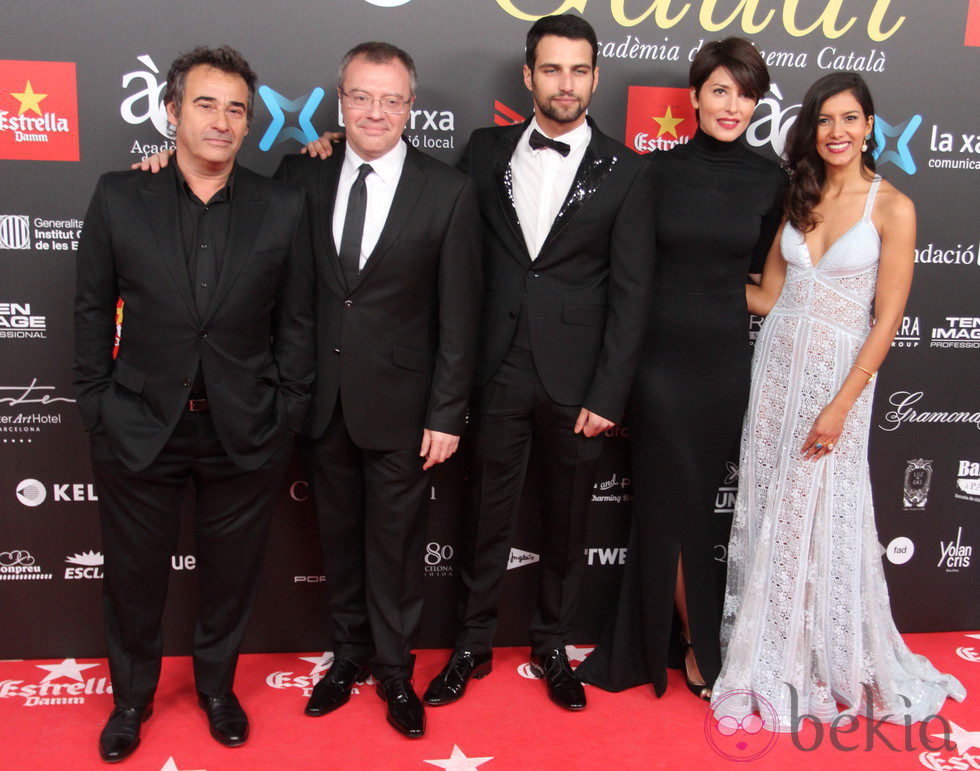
(396, 236)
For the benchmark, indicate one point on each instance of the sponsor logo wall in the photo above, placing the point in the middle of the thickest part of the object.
(63, 123)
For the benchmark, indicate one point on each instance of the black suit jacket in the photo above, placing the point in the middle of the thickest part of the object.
(588, 289)
(399, 347)
(255, 343)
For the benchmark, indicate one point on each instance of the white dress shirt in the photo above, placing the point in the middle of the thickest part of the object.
(381, 184)
(541, 180)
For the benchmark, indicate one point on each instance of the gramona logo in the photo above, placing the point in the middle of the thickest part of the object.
(658, 118)
(38, 111)
(15, 231)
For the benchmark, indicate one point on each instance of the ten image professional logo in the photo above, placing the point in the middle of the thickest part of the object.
(15, 231)
(658, 118)
(38, 111)
(17, 321)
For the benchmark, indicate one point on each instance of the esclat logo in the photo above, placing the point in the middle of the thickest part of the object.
(751, 18)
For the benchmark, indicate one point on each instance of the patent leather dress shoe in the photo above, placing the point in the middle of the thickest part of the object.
(450, 684)
(405, 711)
(334, 689)
(121, 734)
(226, 718)
(563, 688)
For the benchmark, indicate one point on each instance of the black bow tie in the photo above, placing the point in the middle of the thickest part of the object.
(539, 140)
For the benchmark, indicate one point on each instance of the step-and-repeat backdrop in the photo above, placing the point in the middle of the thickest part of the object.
(80, 90)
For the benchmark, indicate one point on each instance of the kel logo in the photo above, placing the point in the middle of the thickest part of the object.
(278, 107)
(30, 492)
(901, 156)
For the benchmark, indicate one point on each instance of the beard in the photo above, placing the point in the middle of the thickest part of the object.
(562, 113)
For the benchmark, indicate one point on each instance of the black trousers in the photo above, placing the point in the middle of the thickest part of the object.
(513, 417)
(140, 524)
(371, 508)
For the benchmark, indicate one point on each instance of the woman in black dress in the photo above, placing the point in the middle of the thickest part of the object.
(716, 212)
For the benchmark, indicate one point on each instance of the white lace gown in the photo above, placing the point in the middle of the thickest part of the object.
(807, 614)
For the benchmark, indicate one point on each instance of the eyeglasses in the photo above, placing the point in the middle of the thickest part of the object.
(358, 100)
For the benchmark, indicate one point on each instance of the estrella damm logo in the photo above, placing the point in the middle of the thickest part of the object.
(658, 118)
(38, 111)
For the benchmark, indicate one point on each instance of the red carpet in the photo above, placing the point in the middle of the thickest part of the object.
(51, 713)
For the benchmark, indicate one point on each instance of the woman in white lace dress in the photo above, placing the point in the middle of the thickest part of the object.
(807, 624)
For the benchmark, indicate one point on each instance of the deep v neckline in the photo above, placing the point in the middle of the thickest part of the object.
(826, 251)
(865, 215)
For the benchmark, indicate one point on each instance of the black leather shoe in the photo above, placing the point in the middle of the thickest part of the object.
(226, 718)
(121, 734)
(334, 689)
(450, 684)
(563, 688)
(405, 711)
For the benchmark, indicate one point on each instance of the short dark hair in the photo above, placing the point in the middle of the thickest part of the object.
(739, 57)
(224, 58)
(377, 52)
(563, 25)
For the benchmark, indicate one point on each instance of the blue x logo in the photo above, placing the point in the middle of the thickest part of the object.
(278, 107)
(901, 156)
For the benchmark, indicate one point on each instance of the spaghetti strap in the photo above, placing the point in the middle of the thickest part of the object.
(871, 197)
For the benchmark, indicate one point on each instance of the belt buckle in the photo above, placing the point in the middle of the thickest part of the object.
(198, 405)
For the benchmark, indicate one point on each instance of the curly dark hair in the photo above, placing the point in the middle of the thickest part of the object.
(806, 168)
(224, 58)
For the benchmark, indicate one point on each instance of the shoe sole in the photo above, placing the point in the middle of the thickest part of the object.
(568, 707)
(121, 757)
(328, 710)
(146, 716)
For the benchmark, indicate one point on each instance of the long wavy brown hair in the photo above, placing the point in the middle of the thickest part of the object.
(806, 168)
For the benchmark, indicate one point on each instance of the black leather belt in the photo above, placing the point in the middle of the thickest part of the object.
(198, 405)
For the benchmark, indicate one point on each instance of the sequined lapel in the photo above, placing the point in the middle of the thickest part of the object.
(591, 173)
(504, 181)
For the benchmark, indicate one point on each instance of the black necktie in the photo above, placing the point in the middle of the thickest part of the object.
(350, 239)
(539, 140)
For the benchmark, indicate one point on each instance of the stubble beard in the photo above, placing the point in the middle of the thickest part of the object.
(558, 114)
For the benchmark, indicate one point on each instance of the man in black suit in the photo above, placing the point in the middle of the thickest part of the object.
(396, 237)
(568, 256)
(215, 267)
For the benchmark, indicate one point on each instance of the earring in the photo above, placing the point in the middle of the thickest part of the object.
(864, 147)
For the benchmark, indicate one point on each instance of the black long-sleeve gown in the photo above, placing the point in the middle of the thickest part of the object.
(716, 211)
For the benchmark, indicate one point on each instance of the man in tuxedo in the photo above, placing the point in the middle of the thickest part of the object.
(396, 237)
(567, 263)
(212, 378)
